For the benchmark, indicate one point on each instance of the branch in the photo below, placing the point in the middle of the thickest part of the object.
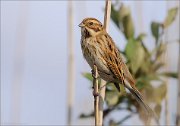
(95, 93)
(99, 101)
(71, 65)
(103, 83)
(107, 14)
(178, 98)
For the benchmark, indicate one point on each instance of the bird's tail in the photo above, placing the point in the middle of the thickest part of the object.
(140, 100)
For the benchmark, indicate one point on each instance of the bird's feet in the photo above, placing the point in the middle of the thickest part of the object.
(93, 74)
(95, 94)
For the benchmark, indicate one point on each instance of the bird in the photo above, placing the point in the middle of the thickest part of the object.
(98, 48)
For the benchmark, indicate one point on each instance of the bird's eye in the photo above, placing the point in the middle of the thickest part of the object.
(91, 23)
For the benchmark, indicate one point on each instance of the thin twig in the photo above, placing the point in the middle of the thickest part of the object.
(178, 90)
(178, 97)
(107, 14)
(99, 101)
(103, 83)
(19, 63)
(95, 93)
(71, 65)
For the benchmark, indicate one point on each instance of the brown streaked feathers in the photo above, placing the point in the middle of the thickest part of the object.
(98, 48)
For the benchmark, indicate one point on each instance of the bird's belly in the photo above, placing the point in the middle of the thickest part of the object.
(95, 58)
(107, 77)
(103, 71)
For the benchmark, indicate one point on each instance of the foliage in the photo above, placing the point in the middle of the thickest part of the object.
(146, 66)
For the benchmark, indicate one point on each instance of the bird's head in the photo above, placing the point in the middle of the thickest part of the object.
(91, 26)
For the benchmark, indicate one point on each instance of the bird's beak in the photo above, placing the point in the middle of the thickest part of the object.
(81, 25)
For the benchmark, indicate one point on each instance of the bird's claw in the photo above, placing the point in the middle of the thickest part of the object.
(93, 74)
(95, 94)
(92, 71)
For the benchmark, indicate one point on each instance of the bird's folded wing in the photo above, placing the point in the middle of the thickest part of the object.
(114, 65)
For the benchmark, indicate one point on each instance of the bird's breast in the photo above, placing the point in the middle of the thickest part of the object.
(87, 50)
(93, 53)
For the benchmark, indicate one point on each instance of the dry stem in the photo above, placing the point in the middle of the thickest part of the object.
(95, 92)
(103, 83)
(71, 65)
(99, 99)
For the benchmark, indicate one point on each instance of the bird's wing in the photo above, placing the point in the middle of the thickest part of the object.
(121, 72)
(116, 64)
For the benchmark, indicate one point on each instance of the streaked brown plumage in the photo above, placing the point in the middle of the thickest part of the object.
(99, 49)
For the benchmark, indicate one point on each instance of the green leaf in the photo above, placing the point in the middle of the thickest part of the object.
(160, 93)
(128, 27)
(141, 37)
(155, 30)
(123, 11)
(140, 84)
(151, 77)
(122, 89)
(144, 81)
(170, 17)
(157, 93)
(88, 76)
(115, 16)
(112, 98)
(146, 67)
(135, 53)
(170, 74)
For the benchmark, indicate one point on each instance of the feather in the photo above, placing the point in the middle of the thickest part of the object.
(99, 48)
(139, 98)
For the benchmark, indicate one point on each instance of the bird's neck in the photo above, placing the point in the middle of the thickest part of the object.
(87, 33)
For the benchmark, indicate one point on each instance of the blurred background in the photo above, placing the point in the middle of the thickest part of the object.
(36, 69)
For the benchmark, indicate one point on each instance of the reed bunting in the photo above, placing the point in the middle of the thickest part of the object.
(99, 49)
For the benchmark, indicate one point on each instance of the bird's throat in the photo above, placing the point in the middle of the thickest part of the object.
(86, 33)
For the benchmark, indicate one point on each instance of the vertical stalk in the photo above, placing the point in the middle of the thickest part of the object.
(96, 98)
(18, 65)
(71, 64)
(178, 90)
(99, 101)
(103, 83)
(107, 15)
(178, 97)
